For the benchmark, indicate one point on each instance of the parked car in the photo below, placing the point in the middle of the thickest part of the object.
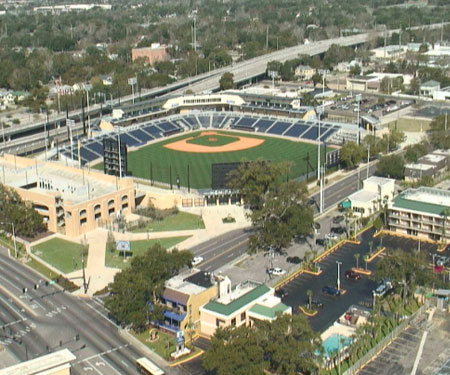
(331, 291)
(277, 271)
(197, 260)
(350, 274)
(281, 293)
(382, 288)
(442, 260)
(331, 237)
(320, 242)
(294, 260)
(338, 230)
(338, 219)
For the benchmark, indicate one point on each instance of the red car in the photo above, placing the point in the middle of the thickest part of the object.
(350, 274)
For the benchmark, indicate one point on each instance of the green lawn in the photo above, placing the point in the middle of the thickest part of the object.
(409, 125)
(114, 260)
(157, 162)
(213, 140)
(164, 345)
(180, 221)
(61, 254)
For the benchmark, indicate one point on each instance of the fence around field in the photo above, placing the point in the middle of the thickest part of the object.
(352, 370)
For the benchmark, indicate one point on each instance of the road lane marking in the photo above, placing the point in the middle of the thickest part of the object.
(12, 306)
(94, 368)
(115, 370)
(223, 253)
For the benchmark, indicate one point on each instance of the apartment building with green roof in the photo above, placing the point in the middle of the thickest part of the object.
(423, 213)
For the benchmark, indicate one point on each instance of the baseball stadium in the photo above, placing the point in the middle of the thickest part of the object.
(181, 147)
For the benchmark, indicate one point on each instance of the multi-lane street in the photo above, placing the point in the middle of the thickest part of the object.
(47, 319)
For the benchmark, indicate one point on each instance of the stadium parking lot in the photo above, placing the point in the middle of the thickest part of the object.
(357, 292)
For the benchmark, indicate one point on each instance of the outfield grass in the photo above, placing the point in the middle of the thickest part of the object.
(157, 161)
(114, 260)
(180, 221)
(409, 125)
(61, 254)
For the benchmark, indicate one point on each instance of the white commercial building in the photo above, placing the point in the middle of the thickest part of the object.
(376, 192)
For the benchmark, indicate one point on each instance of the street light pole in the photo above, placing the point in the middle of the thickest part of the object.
(338, 275)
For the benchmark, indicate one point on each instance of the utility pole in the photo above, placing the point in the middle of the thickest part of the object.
(338, 275)
(267, 37)
(368, 159)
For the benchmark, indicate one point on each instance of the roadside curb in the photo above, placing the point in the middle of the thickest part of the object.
(376, 254)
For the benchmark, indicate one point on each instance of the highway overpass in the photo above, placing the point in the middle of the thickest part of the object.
(243, 71)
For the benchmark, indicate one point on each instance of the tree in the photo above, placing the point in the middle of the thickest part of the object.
(414, 152)
(439, 133)
(284, 346)
(316, 78)
(234, 351)
(355, 70)
(351, 154)
(377, 224)
(135, 290)
(279, 210)
(392, 166)
(402, 268)
(356, 256)
(13, 209)
(285, 215)
(227, 81)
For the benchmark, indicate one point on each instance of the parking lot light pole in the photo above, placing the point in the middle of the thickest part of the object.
(338, 275)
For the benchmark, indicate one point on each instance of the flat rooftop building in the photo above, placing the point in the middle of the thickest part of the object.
(72, 201)
(57, 363)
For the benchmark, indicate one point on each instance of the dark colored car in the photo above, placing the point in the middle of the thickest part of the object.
(350, 274)
(281, 293)
(331, 291)
(320, 242)
(338, 219)
(315, 303)
(294, 260)
(338, 230)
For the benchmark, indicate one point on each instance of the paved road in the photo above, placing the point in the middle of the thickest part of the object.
(221, 250)
(47, 316)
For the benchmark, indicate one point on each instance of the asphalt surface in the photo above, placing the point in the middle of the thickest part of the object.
(48, 319)
(356, 292)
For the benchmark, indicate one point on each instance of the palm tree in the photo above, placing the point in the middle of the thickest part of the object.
(309, 293)
(370, 247)
(366, 259)
(385, 208)
(356, 256)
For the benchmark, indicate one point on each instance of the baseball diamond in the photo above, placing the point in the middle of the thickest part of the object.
(170, 159)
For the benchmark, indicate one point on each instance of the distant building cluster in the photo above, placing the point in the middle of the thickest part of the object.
(56, 9)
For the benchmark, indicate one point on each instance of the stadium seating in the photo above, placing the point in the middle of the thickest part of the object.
(279, 127)
(92, 149)
(262, 125)
(205, 121)
(296, 130)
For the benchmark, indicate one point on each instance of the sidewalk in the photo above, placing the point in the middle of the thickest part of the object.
(99, 276)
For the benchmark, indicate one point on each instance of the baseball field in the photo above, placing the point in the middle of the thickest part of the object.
(199, 150)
